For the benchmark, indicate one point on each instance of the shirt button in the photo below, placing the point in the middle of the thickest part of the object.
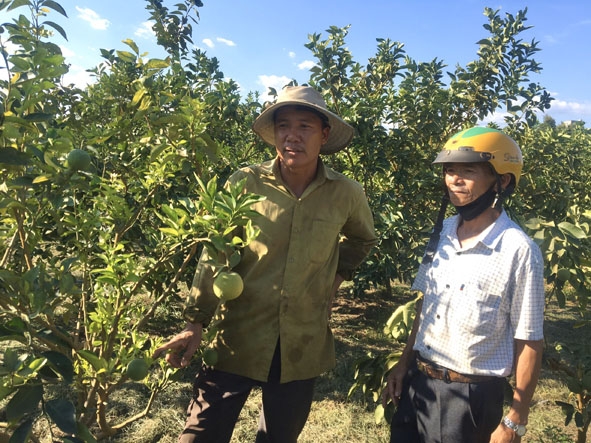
(438, 316)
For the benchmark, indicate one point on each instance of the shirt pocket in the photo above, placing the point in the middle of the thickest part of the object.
(477, 310)
(322, 240)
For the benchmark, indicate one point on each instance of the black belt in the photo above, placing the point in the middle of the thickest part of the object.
(440, 373)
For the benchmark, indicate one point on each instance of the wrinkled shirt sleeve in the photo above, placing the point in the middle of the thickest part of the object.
(358, 237)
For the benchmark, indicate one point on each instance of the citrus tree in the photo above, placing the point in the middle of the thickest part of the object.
(557, 216)
(107, 196)
(405, 110)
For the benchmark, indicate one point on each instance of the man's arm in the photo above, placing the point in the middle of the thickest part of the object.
(336, 284)
(528, 362)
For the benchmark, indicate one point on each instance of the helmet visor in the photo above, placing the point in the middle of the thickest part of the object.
(464, 154)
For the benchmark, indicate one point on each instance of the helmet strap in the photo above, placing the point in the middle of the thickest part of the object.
(498, 201)
(434, 239)
(503, 193)
(490, 199)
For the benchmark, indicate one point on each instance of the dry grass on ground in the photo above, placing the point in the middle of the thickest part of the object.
(357, 324)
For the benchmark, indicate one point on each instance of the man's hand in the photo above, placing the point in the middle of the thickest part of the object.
(186, 343)
(394, 383)
(504, 435)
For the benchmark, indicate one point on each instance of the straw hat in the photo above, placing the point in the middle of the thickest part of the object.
(340, 134)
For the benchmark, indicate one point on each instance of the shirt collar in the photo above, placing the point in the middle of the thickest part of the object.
(490, 237)
(323, 172)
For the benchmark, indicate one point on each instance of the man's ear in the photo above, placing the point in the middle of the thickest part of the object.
(325, 133)
(505, 181)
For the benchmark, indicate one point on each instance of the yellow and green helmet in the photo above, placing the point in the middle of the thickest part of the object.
(481, 144)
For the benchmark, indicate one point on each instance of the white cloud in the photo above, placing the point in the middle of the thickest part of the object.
(306, 65)
(496, 117)
(571, 107)
(208, 42)
(95, 20)
(225, 41)
(67, 52)
(78, 76)
(145, 30)
(292, 54)
(272, 81)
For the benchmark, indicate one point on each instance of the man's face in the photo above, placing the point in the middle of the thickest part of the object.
(467, 181)
(299, 135)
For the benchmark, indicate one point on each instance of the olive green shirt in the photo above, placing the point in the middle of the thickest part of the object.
(288, 273)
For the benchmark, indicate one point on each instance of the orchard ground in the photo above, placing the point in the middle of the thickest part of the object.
(357, 324)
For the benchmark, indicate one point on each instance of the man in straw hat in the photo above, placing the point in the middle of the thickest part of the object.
(315, 229)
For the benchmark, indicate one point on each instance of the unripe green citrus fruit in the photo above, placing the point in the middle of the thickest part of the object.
(228, 285)
(137, 369)
(563, 274)
(78, 160)
(210, 357)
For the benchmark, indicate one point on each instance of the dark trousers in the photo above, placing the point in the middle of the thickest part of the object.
(218, 398)
(433, 411)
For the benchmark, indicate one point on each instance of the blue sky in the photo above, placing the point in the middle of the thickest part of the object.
(261, 43)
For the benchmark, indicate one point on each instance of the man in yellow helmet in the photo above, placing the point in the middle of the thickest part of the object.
(481, 316)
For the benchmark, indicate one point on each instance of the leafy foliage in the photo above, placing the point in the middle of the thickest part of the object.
(89, 252)
(94, 243)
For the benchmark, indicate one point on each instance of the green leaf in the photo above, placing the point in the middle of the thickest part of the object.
(57, 27)
(55, 6)
(37, 364)
(22, 433)
(38, 117)
(126, 56)
(21, 63)
(17, 4)
(567, 409)
(138, 96)
(132, 45)
(10, 156)
(234, 259)
(11, 361)
(379, 414)
(573, 230)
(41, 179)
(96, 362)
(63, 413)
(84, 433)
(573, 385)
(25, 401)
(155, 63)
(60, 364)
(170, 231)
(579, 419)
(5, 392)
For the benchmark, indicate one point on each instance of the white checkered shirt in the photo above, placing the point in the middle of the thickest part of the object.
(478, 300)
